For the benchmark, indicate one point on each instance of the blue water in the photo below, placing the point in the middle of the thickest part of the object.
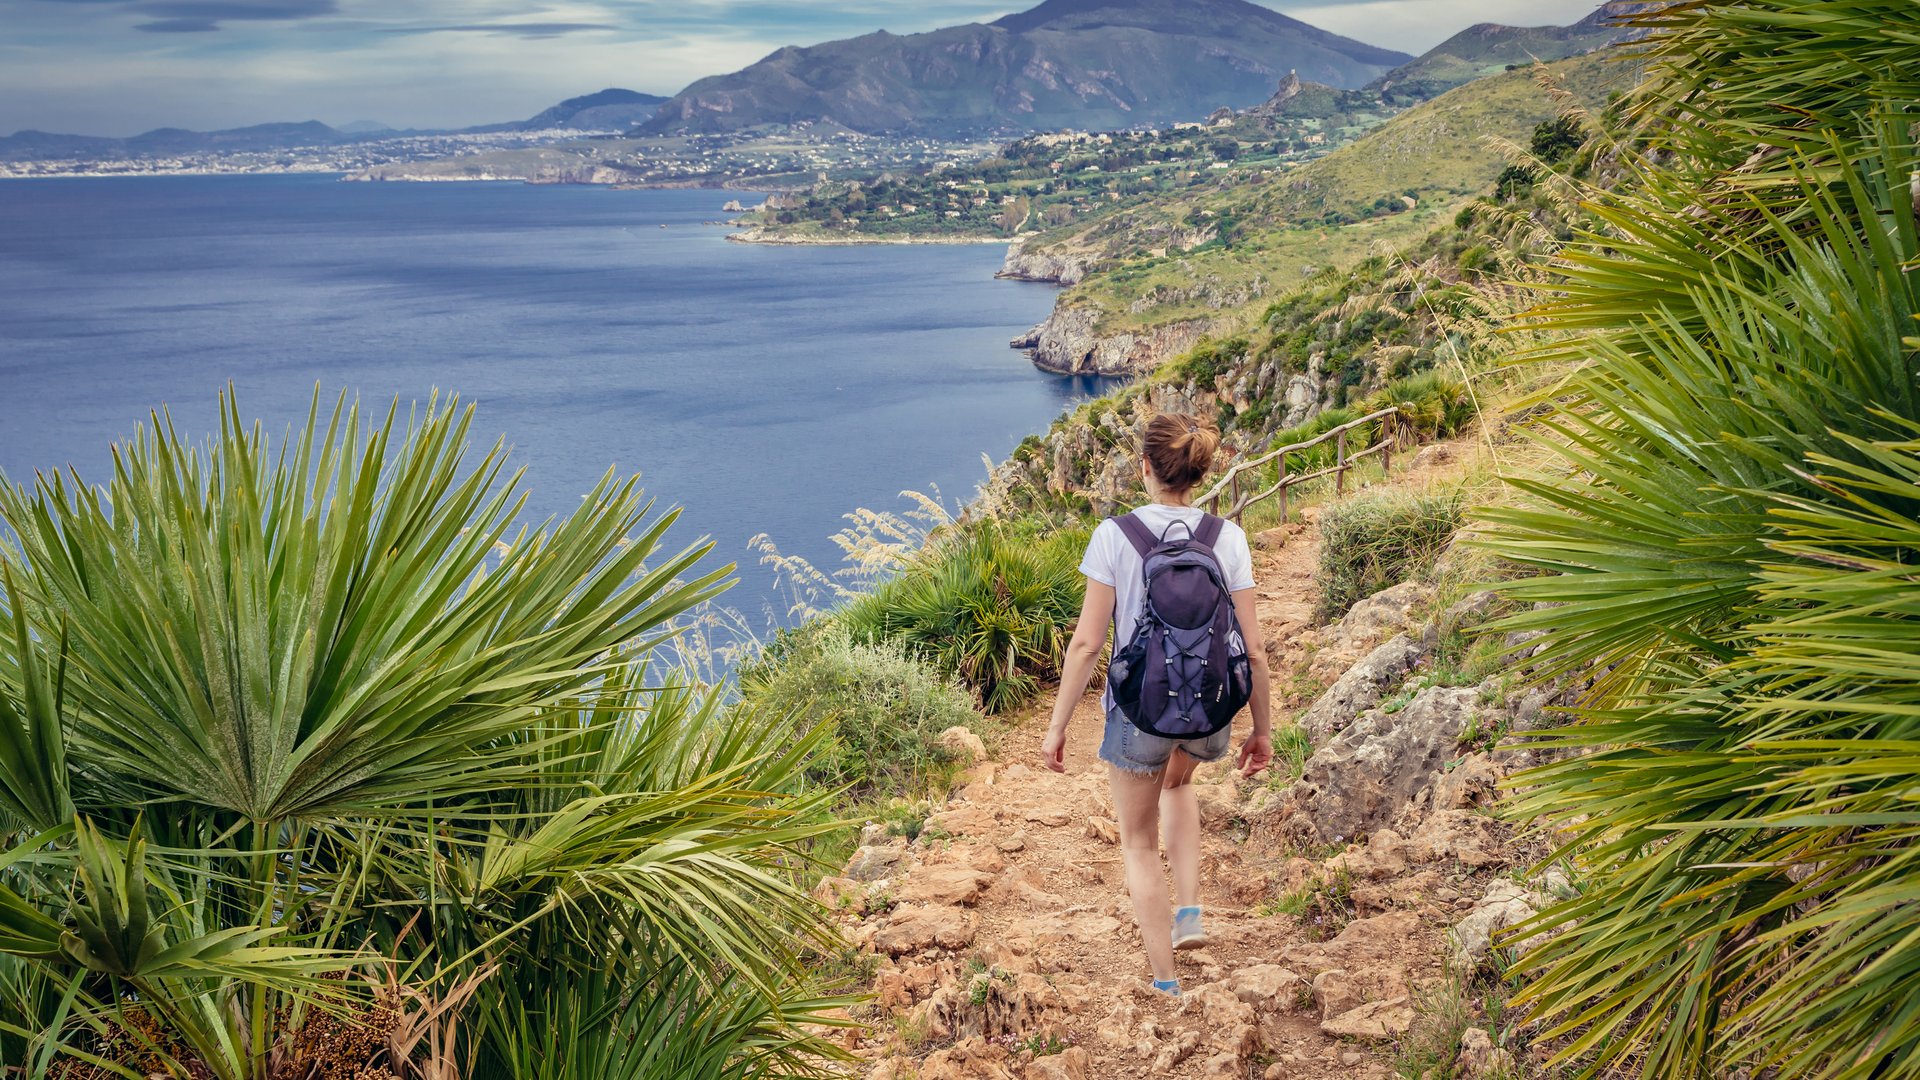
(765, 389)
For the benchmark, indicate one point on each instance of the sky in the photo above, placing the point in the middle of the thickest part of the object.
(119, 67)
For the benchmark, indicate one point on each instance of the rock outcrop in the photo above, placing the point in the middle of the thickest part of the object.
(1059, 268)
(1367, 773)
(1361, 686)
(1069, 343)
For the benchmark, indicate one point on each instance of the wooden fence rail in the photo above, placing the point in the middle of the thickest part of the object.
(1229, 484)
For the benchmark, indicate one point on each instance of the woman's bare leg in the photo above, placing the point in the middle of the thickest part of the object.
(1180, 824)
(1136, 802)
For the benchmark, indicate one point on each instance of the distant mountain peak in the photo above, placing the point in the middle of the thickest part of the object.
(1608, 14)
(612, 95)
(1486, 48)
(1157, 14)
(612, 109)
(1088, 64)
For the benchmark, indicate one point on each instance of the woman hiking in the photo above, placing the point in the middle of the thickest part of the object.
(1150, 773)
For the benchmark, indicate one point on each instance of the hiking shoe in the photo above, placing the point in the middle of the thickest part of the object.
(1187, 931)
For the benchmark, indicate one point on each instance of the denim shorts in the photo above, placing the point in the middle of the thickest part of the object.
(1129, 749)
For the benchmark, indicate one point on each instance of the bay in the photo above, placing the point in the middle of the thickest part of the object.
(764, 389)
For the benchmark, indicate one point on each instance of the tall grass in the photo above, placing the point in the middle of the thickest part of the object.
(1374, 542)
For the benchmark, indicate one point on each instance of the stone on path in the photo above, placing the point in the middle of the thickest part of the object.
(1376, 1020)
(912, 928)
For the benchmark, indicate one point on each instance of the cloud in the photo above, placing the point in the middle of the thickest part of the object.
(178, 26)
(270, 10)
(525, 30)
(202, 16)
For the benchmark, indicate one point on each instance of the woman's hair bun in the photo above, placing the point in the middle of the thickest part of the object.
(1180, 448)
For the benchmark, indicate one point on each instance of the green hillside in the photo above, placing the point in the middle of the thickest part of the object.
(1262, 233)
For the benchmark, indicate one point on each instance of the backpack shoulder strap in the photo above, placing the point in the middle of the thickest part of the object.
(1137, 533)
(1209, 531)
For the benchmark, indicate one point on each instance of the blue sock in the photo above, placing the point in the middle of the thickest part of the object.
(1168, 986)
(1181, 913)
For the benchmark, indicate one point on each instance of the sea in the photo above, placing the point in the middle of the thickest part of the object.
(763, 389)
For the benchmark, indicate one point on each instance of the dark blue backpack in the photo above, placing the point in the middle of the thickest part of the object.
(1185, 672)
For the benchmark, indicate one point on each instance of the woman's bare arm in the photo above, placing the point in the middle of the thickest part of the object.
(1257, 752)
(1083, 652)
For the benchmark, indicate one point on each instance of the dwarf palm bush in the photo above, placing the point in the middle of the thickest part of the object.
(1432, 406)
(1731, 550)
(989, 607)
(290, 734)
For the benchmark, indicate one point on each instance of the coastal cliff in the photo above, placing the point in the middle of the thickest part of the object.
(1069, 343)
(1048, 266)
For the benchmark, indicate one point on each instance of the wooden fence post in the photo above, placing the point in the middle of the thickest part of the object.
(1233, 496)
(1283, 489)
(1387, 428)
(1340, 464)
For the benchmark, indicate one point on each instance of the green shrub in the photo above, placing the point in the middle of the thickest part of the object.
(289, 733)
(1556, 140)
(885, 709)
(1477, 259)
(1730, 532)
(1513, 182)
(1432, 405)
(1209, 360)
(987, 607)
(1374, 542)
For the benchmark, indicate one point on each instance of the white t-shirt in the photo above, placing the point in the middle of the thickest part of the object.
(1111, 560)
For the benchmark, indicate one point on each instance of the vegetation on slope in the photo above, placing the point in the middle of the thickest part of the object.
(1407, 328)
(1262, 234)
(1490, 48)
(1733, 542)
(313, 763)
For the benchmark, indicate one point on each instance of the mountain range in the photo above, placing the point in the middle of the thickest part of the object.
(609, 110)
(1086, 64)
(1491, 47)
(1089, 64)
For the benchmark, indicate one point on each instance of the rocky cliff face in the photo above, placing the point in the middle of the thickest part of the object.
(1050, 266)
(1069, 343)
(1091, 453)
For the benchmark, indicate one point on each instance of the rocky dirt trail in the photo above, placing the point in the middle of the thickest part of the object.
(1004, 943)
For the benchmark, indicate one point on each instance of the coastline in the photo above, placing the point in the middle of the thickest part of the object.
(754, 234)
